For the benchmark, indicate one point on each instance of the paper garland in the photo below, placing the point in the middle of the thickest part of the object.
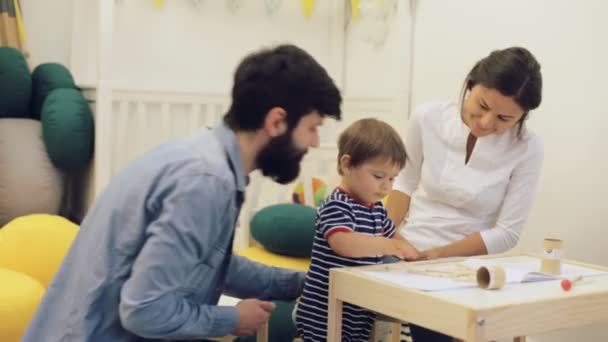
(234, 5)
(159, 3)
(308, 7)
(355, 7)
(272, 6)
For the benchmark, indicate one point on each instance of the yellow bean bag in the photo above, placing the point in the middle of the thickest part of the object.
(20, 295)
(265, 257)
(36, 244)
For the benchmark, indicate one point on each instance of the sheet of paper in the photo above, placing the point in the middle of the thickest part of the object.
(527, 269)
(417, 281)
(518, 269)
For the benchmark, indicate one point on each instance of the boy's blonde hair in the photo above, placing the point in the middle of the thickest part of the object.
(368, 139)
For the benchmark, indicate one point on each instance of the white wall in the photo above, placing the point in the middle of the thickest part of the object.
(183, 46)
(187, 47)
(377, 59)
(48, 28)
(377, 52)
(195, 48)
(567, 38)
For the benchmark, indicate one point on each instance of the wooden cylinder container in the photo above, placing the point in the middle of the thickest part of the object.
(551, 262)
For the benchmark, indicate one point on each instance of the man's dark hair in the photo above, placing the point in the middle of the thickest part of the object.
(287, 77)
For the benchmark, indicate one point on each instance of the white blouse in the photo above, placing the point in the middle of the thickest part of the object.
(491, 194)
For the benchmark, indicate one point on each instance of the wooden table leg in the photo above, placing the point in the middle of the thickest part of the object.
(262, 334)
(334, 322)
(395, 332)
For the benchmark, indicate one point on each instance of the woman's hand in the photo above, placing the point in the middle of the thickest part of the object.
(469, 246)
(431, 254)
(402, 249)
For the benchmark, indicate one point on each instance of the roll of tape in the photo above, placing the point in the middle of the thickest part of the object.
(491, 277)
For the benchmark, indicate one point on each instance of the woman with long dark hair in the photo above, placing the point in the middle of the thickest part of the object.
(473, 166)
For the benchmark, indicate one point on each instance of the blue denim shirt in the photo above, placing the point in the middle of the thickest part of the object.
(154, 254)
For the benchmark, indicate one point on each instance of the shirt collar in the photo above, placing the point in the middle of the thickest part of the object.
(228, 140)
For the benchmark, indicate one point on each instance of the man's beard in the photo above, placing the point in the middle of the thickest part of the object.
(280, 159)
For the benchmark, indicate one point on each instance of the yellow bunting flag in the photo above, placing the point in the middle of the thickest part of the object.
(354, 8)
(19, 18)
(308, 6)
(159, 3)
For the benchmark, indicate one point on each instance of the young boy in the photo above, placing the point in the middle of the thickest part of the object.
(352, 226)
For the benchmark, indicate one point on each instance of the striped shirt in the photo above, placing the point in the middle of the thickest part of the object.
(339, 213)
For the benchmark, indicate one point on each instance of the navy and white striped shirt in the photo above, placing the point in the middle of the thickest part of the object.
(339, 213)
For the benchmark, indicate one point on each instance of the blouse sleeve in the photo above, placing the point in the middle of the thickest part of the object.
(407, 181)
(517, 202)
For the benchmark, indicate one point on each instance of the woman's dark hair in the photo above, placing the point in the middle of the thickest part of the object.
(287, 77)
(515, 73)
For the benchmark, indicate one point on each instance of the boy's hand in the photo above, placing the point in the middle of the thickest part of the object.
(402, 249)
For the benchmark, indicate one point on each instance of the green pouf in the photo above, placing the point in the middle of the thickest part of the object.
(286, 229)
(45, 78)
(280, 326)
(15, 84)
(67, 128)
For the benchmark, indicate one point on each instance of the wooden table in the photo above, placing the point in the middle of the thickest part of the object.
(471, 314)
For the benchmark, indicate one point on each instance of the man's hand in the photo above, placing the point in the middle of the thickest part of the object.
(402, 249)
(253, 313)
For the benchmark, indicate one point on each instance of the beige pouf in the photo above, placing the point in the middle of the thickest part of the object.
(29, 183)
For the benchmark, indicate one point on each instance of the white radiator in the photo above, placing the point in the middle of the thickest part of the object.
(142, 119)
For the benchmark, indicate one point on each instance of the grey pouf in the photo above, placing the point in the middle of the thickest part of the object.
(29, 183)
